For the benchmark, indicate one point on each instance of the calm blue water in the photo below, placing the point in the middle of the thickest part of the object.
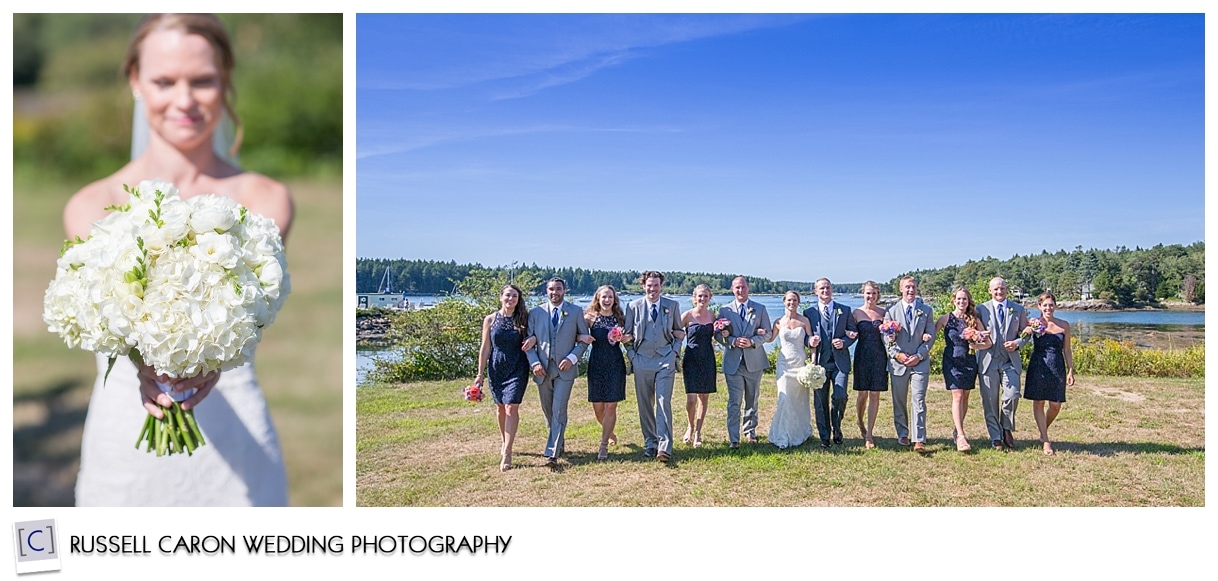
(1093, 323)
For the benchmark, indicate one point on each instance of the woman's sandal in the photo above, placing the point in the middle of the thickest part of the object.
(685, 438)
(697, 439)
(604, 453)
(962, 447)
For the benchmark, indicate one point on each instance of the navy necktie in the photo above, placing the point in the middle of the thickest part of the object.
(1002, 317)
(554, 317)
(655, 313)
(741, 310)
(909, 316)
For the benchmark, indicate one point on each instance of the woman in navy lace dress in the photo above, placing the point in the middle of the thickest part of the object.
(606, 366)
(698, 363)
(1050, 369)
(870, 360)
(503, 344)
(962, 334)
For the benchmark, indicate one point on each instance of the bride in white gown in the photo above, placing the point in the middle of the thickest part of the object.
(792, 424)
(179, 67)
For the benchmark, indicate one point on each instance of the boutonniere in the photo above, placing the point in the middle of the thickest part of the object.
(665, 310)
(917, 314)
(1010, 312)
(839, 312)
(751, 310)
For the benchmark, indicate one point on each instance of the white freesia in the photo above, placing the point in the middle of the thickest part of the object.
(188, 284)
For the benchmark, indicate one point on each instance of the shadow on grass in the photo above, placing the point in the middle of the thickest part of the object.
(1107, 449)
(633, 453)
(46, 454)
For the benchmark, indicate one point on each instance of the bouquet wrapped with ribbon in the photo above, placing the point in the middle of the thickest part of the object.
(183, 286)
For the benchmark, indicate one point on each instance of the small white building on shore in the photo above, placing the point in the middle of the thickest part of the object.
(382, 300)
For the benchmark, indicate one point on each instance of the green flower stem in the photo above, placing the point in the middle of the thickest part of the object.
(183, 429)
(194, 426)
(176, 432)
(144, 431)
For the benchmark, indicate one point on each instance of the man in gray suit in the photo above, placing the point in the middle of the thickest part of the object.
(999, 366)
(834, 332)
(909, 361)
(744, 359)
(653, 337)
(559, 328)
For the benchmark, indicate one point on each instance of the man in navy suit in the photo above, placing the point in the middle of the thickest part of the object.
(834, 331)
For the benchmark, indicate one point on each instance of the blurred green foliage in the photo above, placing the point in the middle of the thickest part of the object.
(72, 107)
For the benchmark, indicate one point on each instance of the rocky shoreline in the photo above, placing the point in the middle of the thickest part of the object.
(371, 329)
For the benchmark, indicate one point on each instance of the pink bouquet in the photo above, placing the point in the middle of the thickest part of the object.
(1035, 325)
(721, 324)
(472, 393)
(970, 334)
(615, 334)
(890, 329)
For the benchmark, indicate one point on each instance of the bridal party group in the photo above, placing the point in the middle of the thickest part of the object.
(651, 336)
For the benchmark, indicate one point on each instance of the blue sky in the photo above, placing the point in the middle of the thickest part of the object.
(784, 146)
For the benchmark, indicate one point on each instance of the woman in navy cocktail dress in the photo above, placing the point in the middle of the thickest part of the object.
(962, 334)
(1050, 368)
(698, 364)
(606, 366)
(503, 344)
(870, 360)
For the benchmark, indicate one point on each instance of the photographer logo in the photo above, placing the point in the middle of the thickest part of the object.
(37, 546)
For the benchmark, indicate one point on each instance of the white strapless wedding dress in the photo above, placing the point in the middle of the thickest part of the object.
(792, 423)
(241, 465)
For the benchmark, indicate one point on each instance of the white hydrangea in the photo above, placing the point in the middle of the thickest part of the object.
(189, 284)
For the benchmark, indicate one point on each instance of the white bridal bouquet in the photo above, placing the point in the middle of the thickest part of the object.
(184, 286)
(811, 375)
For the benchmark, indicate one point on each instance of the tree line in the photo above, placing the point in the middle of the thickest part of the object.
(438, 277)
(1125, 276)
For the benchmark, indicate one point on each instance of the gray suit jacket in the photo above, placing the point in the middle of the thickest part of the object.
(909, 338)
(755, 317)
(843, 320)
(636, 320)
(555, 345)
(1016, 321)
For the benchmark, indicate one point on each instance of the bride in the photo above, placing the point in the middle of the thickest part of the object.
(792, 423)
(179, 67)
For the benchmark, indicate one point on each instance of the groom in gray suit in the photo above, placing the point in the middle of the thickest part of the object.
(999, 366)
(909, 361)
(653, 337)
(558, 326)
(834, 333)
(744, 359)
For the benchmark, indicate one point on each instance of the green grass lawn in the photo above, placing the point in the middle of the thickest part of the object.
(299, 361)
(1119, 441)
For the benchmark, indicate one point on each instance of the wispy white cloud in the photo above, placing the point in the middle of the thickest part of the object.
(529, 54)
(393, 142)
